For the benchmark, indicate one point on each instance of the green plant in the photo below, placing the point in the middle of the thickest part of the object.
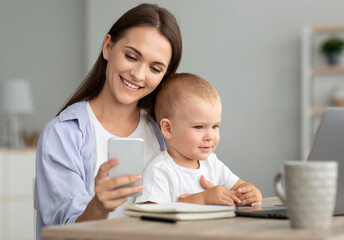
(332, 45)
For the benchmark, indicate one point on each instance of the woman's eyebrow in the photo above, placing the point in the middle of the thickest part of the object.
(140, 54)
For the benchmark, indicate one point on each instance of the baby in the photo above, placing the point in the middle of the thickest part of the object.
(188, 111)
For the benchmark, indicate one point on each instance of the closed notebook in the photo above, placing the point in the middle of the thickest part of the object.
(180, 211)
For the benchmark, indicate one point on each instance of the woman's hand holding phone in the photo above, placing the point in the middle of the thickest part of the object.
(108, 191)
(117, 179)
(108, 196)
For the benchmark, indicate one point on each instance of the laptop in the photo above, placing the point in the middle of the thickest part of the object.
(328, 145)
(270, 211)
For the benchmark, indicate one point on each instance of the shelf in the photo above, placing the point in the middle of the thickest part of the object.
(327, 29)
(327, 70)
(312, 113)
(17, 150)
(317, 111)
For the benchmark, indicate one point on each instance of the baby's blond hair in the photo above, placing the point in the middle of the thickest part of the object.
(177, 89)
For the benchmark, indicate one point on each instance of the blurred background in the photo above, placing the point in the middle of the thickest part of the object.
(249, 50)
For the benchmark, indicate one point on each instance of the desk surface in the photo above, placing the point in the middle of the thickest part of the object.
(238, 228)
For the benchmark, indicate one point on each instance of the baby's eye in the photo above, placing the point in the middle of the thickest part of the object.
(130, 57)
(154, 69)
(216, 126)
(198, 127)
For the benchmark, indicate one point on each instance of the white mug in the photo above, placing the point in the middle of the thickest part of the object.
(308, 190)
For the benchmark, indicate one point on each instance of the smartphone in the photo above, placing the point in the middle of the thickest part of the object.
(129, 151)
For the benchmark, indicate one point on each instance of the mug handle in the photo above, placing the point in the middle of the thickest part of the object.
(279, 191)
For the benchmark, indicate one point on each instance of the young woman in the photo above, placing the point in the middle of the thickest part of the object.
(117, 97)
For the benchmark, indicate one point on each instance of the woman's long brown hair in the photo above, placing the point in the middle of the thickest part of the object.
(142, 15)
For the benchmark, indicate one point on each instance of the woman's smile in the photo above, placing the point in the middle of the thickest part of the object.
(130, 85)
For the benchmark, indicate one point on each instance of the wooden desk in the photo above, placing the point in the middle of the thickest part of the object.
(238, 228)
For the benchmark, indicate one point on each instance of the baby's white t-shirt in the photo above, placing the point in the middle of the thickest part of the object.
(164, 180)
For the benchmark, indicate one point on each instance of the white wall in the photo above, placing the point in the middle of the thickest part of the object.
(250, 51)
(43, 41)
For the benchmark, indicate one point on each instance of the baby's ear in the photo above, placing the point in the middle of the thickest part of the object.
(166, 128)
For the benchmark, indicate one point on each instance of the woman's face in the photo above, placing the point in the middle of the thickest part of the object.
(136, 64)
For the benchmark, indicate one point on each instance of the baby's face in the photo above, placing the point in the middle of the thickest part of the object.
(195, 129)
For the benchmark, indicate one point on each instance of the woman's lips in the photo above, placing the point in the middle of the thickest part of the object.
(130, 85)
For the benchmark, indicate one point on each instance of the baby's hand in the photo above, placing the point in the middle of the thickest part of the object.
(219, 195)
(249, 195)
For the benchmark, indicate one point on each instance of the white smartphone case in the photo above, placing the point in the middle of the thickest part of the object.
(129, 151)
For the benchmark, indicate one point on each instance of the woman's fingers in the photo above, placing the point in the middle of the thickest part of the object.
(118, 193)
(124, 180)
(110, 193)
(111, 199)
(125, 191)
(117, 182)
(102, 181)
(105, 168)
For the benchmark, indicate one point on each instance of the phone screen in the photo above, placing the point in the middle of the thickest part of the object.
(129, 151)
